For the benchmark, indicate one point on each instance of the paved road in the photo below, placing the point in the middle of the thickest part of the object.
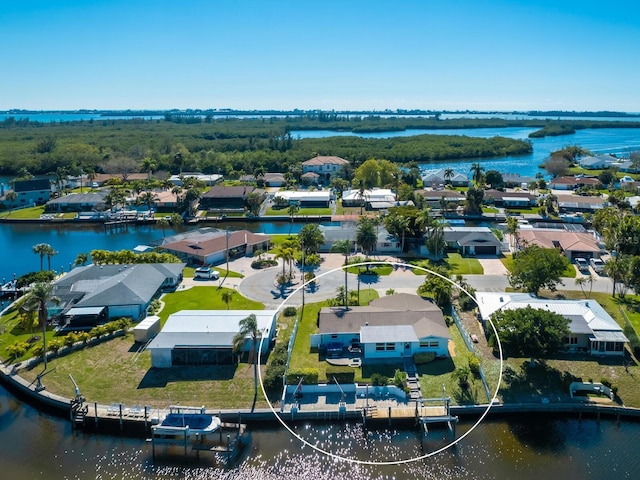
(260, 285)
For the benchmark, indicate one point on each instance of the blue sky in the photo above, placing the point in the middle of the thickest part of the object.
(243, 54)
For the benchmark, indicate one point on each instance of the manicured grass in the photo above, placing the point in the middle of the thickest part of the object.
(24, 213)
(204, 298)
(113, 372)
(569, 272)
(300, 213)
(381, 270)
(188, 272)
(11, 332)
(340, 210)
(457, 264)
(301, 356)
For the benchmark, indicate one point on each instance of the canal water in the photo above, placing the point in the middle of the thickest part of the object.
(36, 445)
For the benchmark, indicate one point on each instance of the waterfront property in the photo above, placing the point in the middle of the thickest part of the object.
(208, 246)
(78, 202)
(209, 180)
(30, 192)
(571, 244)
(326, 167)
(592, 328)
(441, 177)
(205, 337)
(509, 199)
(580, 204)
(572, 183)
(391, 328)
(305, 198)
(95, 293)
(269, 179)
(386, 243)
(221, 197)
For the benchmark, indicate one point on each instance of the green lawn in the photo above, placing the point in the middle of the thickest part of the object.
(457, 264)
(569, 272)
(24, 213)
(11, 332)
(300, 213)
(204, 298)
(188, 272)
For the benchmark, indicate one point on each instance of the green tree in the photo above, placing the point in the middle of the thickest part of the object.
(81, 259)
(148, 165)
(477, 175)
(435, 241)
(534, 268)
(437, 286)
(494, 178)
(249, 328)
(292, 211)
(42, 249)
(366, 235)
(343, 247)
(38, 297)
(227, 296)
(473, 204)
(448, 175)
(49, 252)
(512, 229)
(584, 280)
(310, 238)
(254, 202)
(530, 332)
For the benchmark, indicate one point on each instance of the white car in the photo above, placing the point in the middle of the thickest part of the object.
(597, 265)
(206, 272)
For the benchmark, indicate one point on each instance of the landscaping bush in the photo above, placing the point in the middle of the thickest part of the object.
(474, 364)
(263, 263)
(379, 380)
(289, 311)
(341, 374)
(18, 349)
(423, 357)
(35, 277)
(309, 376)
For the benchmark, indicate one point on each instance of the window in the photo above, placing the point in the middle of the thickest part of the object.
(379, 347)
(433, 344)
(571, 340)
(334, 336)
(424, 344)
(390, 346)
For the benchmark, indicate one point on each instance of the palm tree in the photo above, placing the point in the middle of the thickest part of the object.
(148, 165)
(435, 240)
(147, 198)
(163, 223)
(581, 281)
(292, 210)
(81, 259)
(42, 249)
(448, 175)
(227, 296)
(344, 247)
(512, 230)
(286, 254)
(50, 252)
(366, 235)
(477, 174)
(249, 328)
(39, 296)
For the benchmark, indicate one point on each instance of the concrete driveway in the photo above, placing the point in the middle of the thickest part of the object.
(493, 266)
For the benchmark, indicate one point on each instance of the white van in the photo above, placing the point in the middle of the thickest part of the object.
(206, 272)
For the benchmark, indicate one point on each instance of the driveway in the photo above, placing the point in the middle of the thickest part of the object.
(493, 266)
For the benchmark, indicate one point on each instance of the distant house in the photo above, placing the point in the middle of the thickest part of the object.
(29, 192)
(222, 197)
(472, 241)
(592, 328)
(582, 204)
(385, 243)
(355, 198)
(205, 337)
(306, 198)
(390, 328)
(209, 180)
(269, 179)
(326, 167)
(516, 180)
(310, 178)
(598, 162)
(93, 293)
(436, 178)
(78, 202)
(572, 183)
(208, 246)
(433, 198)
(571, 244)
(510, 199)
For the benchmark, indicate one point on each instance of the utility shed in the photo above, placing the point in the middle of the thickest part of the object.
(146, 329)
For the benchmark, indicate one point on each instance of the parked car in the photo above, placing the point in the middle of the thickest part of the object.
(582, 264)
(206, 272)
(597, 264)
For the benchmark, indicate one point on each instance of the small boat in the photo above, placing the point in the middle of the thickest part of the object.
(186, 421)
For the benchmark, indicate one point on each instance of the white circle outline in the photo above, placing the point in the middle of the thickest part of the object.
(394, 462)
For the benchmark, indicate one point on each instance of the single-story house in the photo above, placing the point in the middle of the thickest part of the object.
(222, 197)
(389, 328)
(306, 198)
(205, 337)
(578, 203)
(386, 243)
(209, 180)
(572, 183)
(208, 246)
(353, 198)
(516, 180)
(78, 202)
(436, 178)
(598, 162)
(592, 328)
(123, 290)
(469, 241)
(29, 192)
(571, 244)
(434, 198)
(510, 199)
(326, 167)
(270, 179)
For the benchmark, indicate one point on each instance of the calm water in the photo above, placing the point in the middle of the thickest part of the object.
(39, 446)
(36, 445)
(598, 141)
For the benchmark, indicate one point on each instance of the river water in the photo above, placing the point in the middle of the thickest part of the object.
(37, 445)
